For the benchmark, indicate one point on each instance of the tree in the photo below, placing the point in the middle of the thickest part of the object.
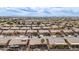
(42, 40)
(10, 23)
(38, 23)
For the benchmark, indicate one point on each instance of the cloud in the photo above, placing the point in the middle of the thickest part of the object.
(28, 9)
(39, 11)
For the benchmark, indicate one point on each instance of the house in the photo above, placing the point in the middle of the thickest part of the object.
(43, 31)
(1, 32)
(57, 43)
(55, 32)
(31, 31)
(20, 32)
(76, 30)
(36, 28)
(54, 27)
(5, 28)
(14, 28)
(68, 32)
(17, 44)
(4, 43)
(46, 27)
(73, 42)
(24, 28)
(37, 43)
(8, 32)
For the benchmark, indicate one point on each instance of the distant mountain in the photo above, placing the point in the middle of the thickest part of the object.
(39, 11)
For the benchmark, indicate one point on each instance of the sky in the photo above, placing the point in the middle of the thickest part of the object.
(39, 11)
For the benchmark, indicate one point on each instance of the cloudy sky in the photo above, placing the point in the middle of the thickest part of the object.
(39, 11)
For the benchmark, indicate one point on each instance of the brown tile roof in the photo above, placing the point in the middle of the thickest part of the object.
(31, 31)
(4, 41)
(43, 31)
(57, 41)
(18, 42)
(36, 42)
(73, 40)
